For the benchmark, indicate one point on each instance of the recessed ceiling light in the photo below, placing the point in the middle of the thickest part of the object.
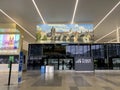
(38, 11)
(17, 23)
(107, 14)
(76, 4)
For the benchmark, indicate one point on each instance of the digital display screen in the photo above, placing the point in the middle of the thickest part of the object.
(9, 41)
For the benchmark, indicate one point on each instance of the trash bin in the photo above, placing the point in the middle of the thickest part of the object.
(42, 69)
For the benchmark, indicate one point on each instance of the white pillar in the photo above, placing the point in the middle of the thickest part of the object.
(117, 35)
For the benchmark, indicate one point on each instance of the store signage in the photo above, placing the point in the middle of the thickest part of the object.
(11, 59)
(83, 63)
(82, 60)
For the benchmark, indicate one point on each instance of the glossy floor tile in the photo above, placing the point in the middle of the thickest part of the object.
(62, 80)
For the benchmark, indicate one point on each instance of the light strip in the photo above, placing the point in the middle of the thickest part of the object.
(107, 15)
(17, 23)
(76, 4)
(105, 35)
(112, 40)
(38, 11)
(117, 34)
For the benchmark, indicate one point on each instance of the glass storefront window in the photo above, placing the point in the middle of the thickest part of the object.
(105, 56)
(86, 50)
(116, 63)
(98, 56)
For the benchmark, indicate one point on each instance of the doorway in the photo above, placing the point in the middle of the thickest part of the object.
(60, 63)
(66, 64)
(53, 62)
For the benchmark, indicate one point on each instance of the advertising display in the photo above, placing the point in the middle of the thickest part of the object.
(9, 41)
(9, 44)
(64, 33)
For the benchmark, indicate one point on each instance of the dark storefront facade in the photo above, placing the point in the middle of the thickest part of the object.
(79, 57)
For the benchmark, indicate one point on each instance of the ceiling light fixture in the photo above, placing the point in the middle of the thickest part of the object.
(38, 11)
(17, 23)
(107, 15)
(76, 4)
(105, 35)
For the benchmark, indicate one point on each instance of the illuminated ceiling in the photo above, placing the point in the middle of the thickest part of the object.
(103, 13)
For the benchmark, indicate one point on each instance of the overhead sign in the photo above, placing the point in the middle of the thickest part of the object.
(64, 33)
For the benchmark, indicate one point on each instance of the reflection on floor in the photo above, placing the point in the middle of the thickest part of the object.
(62, 80)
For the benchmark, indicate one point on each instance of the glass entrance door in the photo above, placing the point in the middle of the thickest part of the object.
(53, 62)
(66, 64)
(60, 64)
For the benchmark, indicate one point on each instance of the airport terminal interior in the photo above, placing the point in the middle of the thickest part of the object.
(59, 44)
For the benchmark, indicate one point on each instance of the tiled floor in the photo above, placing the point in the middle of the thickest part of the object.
(62, 80)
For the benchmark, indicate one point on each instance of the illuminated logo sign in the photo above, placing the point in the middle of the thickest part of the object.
(82, 60)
